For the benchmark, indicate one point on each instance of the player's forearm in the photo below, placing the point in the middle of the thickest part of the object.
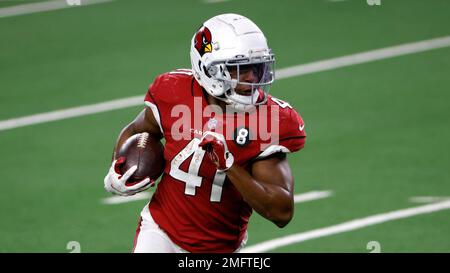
(271, 202)
(126, 132)
(144, 122)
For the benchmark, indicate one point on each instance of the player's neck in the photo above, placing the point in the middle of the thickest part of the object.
(214, 101)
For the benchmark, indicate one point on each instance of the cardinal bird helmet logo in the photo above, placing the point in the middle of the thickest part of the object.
(203, 41)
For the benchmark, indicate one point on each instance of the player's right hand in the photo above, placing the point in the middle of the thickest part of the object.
(116, 183)
(216, 147)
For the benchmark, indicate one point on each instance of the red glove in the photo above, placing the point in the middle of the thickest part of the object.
(216, 147)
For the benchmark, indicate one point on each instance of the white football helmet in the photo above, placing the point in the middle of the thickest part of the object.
(231, 42)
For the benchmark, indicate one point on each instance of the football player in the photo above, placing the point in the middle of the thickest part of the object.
(220, 166)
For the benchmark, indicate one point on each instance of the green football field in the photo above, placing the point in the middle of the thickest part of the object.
(378, 131)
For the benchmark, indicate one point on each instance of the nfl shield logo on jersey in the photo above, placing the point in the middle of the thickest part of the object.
(212, 124)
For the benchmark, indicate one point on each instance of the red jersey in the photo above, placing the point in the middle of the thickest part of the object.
(196, 205)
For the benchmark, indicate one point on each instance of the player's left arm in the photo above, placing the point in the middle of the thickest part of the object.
(269, 189)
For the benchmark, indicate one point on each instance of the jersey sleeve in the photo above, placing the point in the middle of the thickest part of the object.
(168, 90)
(153, 101)
(292, 135)
(292, 132)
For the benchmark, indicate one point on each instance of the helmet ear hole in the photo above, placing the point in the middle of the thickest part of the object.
(212, 70)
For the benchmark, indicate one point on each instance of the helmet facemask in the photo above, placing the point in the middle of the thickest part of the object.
(232, 73)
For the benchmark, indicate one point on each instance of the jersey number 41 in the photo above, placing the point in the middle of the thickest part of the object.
(191, 178)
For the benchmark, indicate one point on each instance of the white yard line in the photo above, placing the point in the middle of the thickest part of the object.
(428, 199)
(346, 226)
(43, 6)
(71, 112)
(324, 65)
(114, 200)
(363, 57)
(312, 195)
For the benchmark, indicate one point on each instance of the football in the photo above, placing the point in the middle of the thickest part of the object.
(144, 151)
